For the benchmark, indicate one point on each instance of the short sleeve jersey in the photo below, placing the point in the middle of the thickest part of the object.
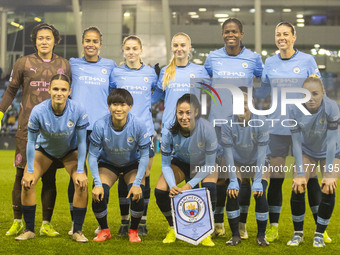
(57, 132)
(120, 148)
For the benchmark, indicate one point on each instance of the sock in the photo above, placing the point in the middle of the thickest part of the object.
(275, 199)
(137, 209)
(211, 186)
(29, 216)
(146, 196)
(298, 207)
(314, 196)
(261, 211)
(163, 201)
(124, 203)
(16, 194)
(325, 212)
(233, 213)
(78, 218)
(244, 200)
(100, 209)
(48, 192)
(220, 202)
(70, 193)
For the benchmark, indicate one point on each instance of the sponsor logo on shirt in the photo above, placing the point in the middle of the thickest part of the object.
(70, 123)
(34, 70)
(60, 71)
(146, 135)
(232, 74)
(84, 117)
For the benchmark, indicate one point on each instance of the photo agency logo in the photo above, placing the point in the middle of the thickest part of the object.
(233, 101)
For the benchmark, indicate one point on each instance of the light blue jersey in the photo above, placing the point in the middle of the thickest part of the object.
(120, 148)
(314, 127)
(279, 73)
(140, 83)
(177, 88)
(90, 85)
(239, 71)
(197, 149)
(245, 140)
(57, 133)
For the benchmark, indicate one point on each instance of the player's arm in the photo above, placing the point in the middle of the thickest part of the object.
(233, 186)
(81, 178)
(97, 191)
(261, 158)
(28, 178)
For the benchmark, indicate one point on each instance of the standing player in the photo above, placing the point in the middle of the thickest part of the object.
(91, 76)
(315, 141)
(62, 125)
(32, 74)
(192, 141)
(245, 145)
(237, 65)
(293, 67)
(140, 80)
(122, 142)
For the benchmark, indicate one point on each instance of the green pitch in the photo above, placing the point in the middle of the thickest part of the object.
(157, 225)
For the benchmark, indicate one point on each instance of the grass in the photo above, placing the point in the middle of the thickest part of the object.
(157, 226)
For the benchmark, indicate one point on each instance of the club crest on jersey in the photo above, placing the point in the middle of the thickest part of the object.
(130, 139)
(245, 65)
(192, 75)
(146, 79)
(200, 144)
(322, 121)
(253, 135)
(191, 208)
(104, 71)
(296, 70)
(70, 123)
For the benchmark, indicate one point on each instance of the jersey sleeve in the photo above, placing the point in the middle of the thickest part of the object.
(166, 145)
(15, 81)
(154, 79)
(112, 84)
(33, 122)
(226, 136)
(265, 88)
(259, 66)
(313, 67)
(294, 120)
(332, 111)
(143, 136)
(96, 136)
(160, 79)
(211, 139)
(83, 120)
(208, 65)
(263, 135)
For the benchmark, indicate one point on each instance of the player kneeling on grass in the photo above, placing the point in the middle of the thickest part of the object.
(245, 149)
(62, 125)
(192, 141)
(315, 141)
(121, 142)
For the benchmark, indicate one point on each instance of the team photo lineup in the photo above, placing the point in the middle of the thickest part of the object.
(92, 116)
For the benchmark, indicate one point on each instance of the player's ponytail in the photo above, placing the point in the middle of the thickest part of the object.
(314, 78)
(169, 73)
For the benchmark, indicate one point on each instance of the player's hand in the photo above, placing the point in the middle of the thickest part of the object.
(81, 180)
(328, 185)
(299, 185)
(233, 188)
(97, 194)
(257, 189)
(135, 193)
(27, 180)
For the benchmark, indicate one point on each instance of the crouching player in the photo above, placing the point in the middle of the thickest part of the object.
(315, 141)
(193, 141)
(62, 125)
(121, 142)
(245, 141)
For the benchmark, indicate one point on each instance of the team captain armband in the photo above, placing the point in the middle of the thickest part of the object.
(332, 125)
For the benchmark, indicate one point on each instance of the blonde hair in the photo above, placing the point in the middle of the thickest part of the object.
(135, 38)
(169, 73)
(315, 79)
